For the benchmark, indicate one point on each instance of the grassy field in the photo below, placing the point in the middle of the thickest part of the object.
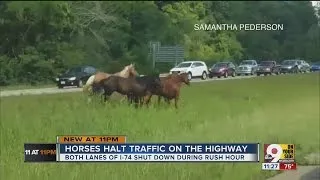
(275, 109)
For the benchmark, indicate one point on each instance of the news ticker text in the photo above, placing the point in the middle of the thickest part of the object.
(91, 139)
(157, 157)
(279, 166)
(40, 152)
(76, 150)
(159, 148)
(116, 149)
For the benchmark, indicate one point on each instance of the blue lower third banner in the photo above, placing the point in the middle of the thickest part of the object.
(158, 152)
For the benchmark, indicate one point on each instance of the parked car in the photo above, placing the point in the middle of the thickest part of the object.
(247, 67)
(315, 67)
(76, 76)
(193, 68)
(289, 66)
(303, 66)
(268, 68)
(222, 69)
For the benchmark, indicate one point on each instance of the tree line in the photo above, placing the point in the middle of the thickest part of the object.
(42, 38)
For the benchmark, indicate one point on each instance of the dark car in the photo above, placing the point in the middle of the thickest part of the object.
(268, 68)
(315, 67)
(289, 66)
(222, 69)
(76, 76)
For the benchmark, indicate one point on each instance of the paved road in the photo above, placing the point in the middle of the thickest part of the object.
(72, 89)
(302, 173)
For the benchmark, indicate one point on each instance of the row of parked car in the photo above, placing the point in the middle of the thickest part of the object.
(246, 67)
(77, 76)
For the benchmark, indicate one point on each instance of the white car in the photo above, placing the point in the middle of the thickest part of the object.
(193, 68)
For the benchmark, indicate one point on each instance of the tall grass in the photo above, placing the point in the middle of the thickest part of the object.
(282, 109)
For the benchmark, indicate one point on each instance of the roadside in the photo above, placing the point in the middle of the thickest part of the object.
(45, 86)
(36, 91)
(307, 172)
(20, 87)
(302, 173)
(54, 90)
(41, 86)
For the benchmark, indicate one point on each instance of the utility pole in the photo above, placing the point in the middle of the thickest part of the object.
(153, 56)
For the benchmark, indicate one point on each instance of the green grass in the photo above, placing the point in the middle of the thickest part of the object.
(276, 109)
(23, 86)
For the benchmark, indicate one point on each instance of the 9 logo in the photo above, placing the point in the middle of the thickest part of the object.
(274, 151)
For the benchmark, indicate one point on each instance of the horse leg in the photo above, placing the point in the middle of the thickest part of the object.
(90, 96)
(176, 99)
(107, 95)
(132, 99)
(129, 99)
(141, 101)
(91, 93)
(96, 89)
(167, 100)
(95, 96)
(104, 97)
(136, 101)
(101, 95)
(147, 99)
(88, 86)
(159, 99)
(100, 90)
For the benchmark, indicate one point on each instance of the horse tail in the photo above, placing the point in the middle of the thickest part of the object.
(88, 84)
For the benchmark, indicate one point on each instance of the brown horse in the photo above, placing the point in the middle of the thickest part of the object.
(134, 87)
(128, 71)
(170, 88)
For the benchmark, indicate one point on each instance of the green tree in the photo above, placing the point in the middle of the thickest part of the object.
(42, 38)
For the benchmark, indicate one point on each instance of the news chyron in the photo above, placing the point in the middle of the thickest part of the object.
(36, 152)
(40, 152)
(279, 157)
(85, 148)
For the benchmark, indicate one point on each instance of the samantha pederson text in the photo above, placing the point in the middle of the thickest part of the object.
(240, 27)
(159, 148)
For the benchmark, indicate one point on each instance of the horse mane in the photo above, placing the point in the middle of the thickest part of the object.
(177, 78)
(174, 77)
(123, 72)
(170, 76)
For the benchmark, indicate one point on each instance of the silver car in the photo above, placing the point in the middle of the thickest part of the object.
(303, 66)
(290, 66)
(247, 67)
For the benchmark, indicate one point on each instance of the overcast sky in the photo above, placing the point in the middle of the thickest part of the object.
(314, 2)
